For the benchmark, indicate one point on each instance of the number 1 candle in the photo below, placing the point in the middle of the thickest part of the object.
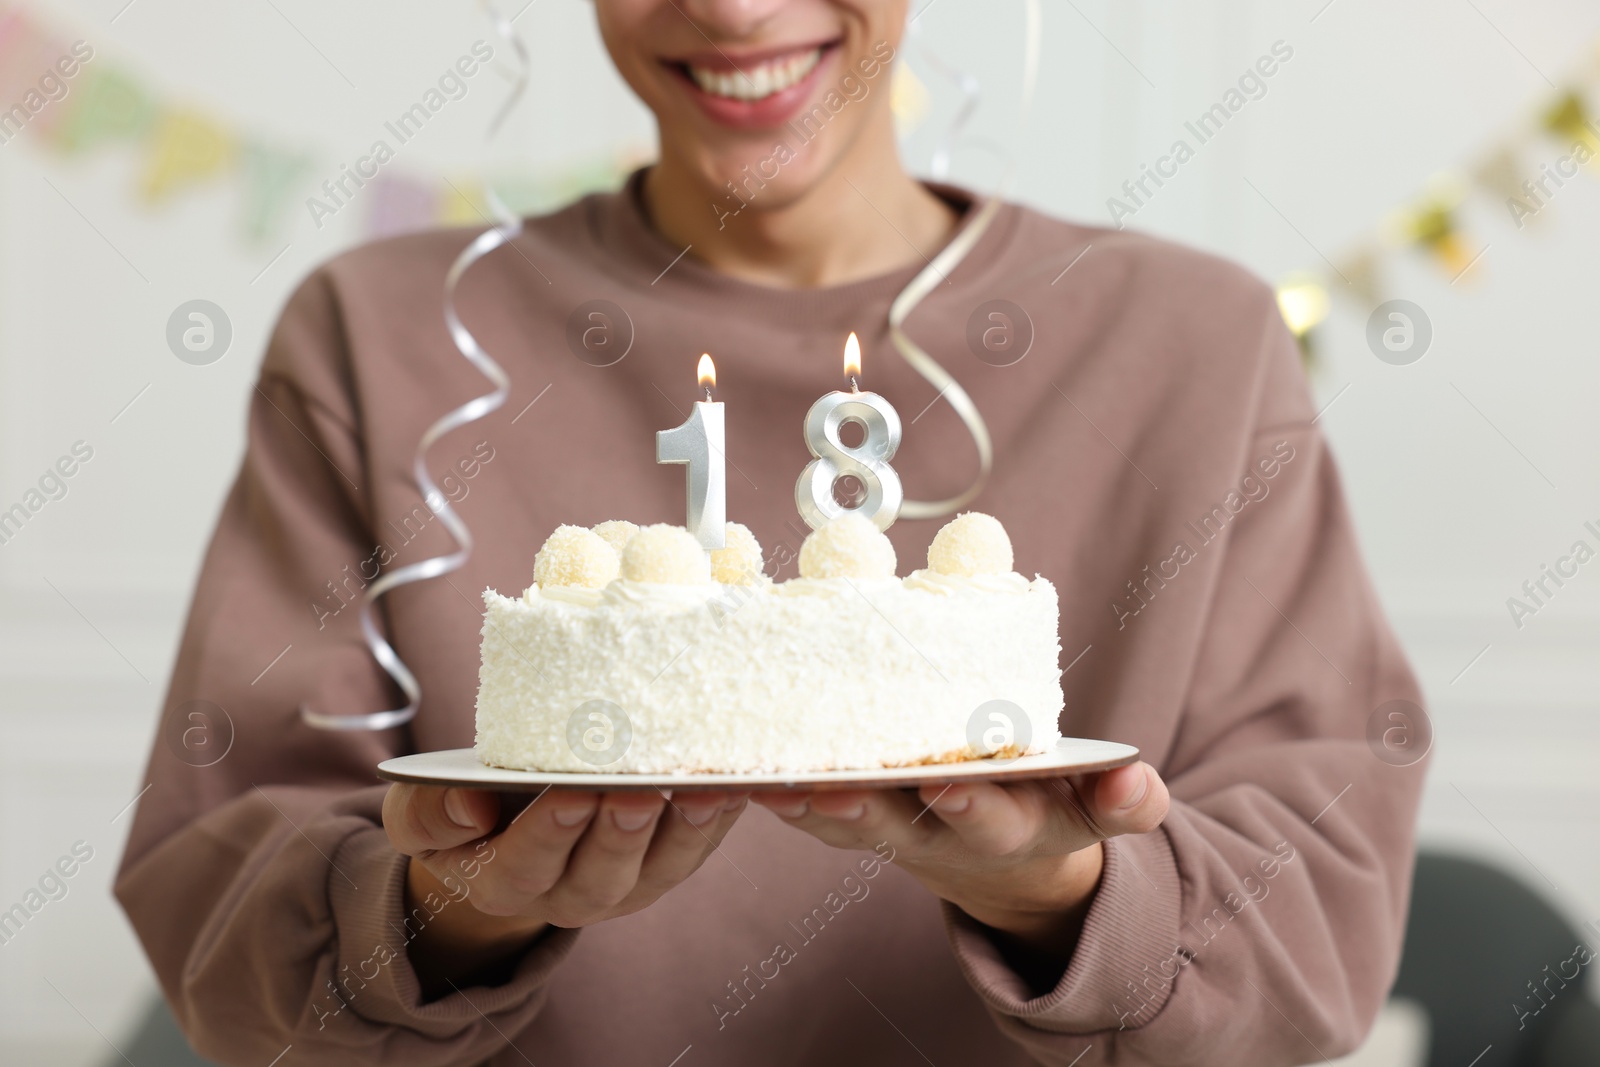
(699, 443)
(868, 461)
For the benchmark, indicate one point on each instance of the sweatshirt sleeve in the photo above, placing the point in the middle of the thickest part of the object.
(1262, 923)
(257, 874)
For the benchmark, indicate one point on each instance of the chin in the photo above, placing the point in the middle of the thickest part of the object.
(766, 176)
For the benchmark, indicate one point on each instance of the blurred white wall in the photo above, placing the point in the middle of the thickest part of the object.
(1467, 470)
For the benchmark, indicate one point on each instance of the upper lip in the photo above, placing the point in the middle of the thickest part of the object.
(731, 59)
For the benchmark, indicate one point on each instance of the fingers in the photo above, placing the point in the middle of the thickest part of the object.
(690, 829)
(570, 857)
(532, 853)
(991, 820)
(421, 819)
(986, 818)
(856, 819)
(1128, 800)
(604, 866)
(785, 805)
(1052, 816)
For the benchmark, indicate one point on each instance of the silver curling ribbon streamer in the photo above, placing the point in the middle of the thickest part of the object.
(933, 372)
(939, 268)
(507, 228)
(519, 84)
(939, 162)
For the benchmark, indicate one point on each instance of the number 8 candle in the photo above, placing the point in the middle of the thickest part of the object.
(699, 443)
(867, 461)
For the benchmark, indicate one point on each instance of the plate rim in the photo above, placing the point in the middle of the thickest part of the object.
(908, 777)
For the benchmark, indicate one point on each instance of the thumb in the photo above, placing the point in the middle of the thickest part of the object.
(427, 818)
(1129, 800)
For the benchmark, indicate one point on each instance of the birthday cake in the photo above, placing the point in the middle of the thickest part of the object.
(636, 650)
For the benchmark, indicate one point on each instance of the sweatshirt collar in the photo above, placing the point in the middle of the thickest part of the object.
(638, 256)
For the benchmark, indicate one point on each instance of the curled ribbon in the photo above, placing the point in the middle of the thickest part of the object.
(506, 229)
(939, 268)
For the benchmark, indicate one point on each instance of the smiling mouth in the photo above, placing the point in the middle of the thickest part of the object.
(755, 81)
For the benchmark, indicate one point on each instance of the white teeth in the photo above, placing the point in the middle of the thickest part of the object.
(757, 82)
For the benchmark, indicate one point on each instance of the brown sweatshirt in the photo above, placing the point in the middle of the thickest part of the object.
(1156, 457)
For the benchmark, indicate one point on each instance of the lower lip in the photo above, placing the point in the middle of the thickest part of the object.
(769, 111)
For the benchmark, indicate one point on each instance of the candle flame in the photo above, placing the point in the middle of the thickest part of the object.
(852, 356)
(707, 371)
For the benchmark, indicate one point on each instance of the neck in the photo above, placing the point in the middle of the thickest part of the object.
(866, 216)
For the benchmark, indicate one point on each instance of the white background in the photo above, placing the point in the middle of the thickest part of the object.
(1456, 506)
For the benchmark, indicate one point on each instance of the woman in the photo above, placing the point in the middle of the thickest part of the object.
(1238, 897)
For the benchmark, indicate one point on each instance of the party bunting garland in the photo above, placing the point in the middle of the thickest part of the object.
(72, 101)
(1562, 135)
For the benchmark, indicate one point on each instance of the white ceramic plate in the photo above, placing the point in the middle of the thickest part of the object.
(459, 767)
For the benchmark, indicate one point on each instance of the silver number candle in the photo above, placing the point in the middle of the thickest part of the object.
(699, 444)
(868, 461)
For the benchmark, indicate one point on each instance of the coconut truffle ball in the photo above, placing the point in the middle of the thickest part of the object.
(616, 533)
(573, 555)
(739, 561)
(848, 547)
(969, 545)
(667, 555)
